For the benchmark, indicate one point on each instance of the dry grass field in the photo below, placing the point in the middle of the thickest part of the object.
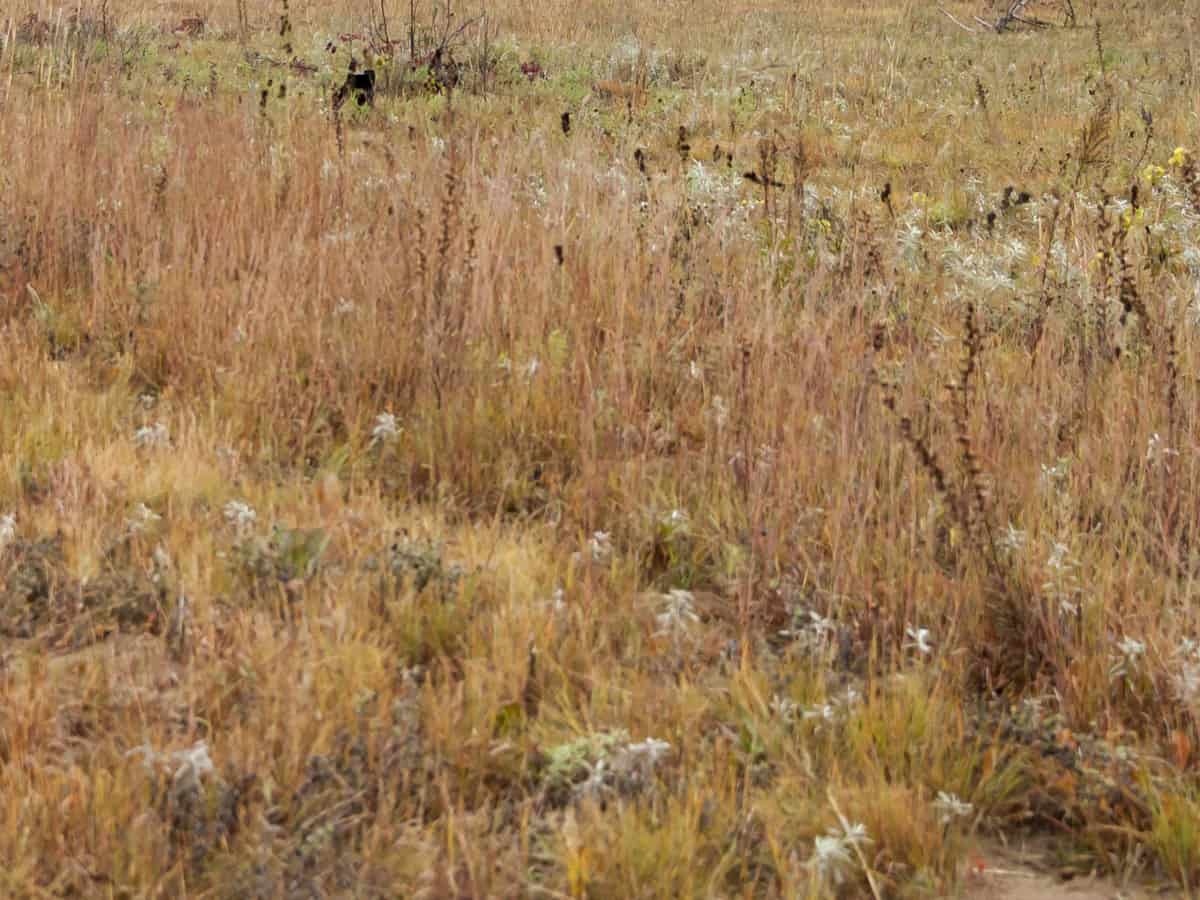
(645, 449)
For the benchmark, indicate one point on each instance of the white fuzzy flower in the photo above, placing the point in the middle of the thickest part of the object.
(1129, 653)
(1013, 539)
(187, 766)
(1158, 451)
(785, 708)
(1059, 561)
(908, 236)
(1016, 250)
(623, 767)
(675, 523)
(386, 429)
(1131, 649)
(920, 639)
(832, 858)
(600, 546)
(810, 630)
(8, 529)
(825, 712)
(596, 782)
(678, 614)
(649, 751)
(143, 517)
(162, 559)
(194, 760)
(240, 515)
(1053, 476)
(1062, 585)
(155, 435)
(950, 807)
(1187, 683)
(819, 625)
(1187, 680)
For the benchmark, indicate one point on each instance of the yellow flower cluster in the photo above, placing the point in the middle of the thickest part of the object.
(1130, 218)
(1179, 158)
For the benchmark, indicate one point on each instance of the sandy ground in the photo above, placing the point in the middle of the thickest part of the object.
(1009, 873)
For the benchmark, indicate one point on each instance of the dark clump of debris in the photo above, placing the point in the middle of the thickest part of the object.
(308, 840)
(39, 598)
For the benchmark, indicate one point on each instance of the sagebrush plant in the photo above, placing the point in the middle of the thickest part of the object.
(676, 458)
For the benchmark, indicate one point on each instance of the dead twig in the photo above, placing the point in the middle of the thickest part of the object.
(1015, 14)
(966, 28)
(1014, 9)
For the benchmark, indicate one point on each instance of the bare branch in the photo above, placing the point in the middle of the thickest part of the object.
(965, 28)
(1015, 8)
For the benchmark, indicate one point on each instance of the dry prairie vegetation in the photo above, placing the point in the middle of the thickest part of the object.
(711, 450)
